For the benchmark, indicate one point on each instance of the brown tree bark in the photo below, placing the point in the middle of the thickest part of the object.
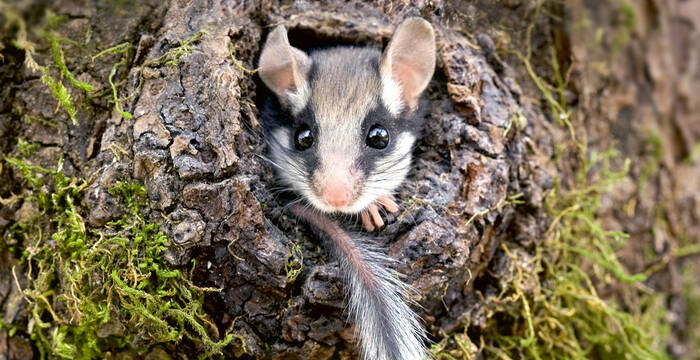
(195, 142)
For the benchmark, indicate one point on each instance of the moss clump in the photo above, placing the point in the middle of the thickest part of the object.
(563, 316)
(559, 314)
(552, 308)
(26, 148)
(294, 264)
(92, 290)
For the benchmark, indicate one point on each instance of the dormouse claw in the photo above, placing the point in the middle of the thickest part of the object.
(371, 218)
(388, 203)
(366, 221)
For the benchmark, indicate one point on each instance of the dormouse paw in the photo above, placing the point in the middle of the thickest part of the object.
(371, 219)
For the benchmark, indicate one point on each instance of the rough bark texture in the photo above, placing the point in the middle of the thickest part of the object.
(194, 142)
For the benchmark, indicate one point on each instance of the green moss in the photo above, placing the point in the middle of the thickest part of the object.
(44, 122)
(555, 311)
(54, 20)
(58, 60)
(627, 17)
(573, 320)
(237, 63)
(169, 58)
(21, 42)
(124, 50)
(691, 294)
(517, 119)
(561, 315)
(172, 57)
(60, 93)
(92, 290)
(11, 328)
(294, 263)
(26, 148)
(694, 154)
(652, 161)
(124, 114)
(113, 280)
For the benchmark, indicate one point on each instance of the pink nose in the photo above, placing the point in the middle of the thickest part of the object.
(336, 194)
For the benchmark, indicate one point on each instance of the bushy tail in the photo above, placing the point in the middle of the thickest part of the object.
(385, 325)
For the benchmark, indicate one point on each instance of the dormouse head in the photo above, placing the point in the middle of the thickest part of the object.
(346, 118)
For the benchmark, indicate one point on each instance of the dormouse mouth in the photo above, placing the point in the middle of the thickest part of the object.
(354, 205)
(369, 209)
(348, 208)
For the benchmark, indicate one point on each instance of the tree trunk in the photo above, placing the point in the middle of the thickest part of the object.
(185, 124)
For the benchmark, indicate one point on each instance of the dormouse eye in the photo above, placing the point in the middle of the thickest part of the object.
(378, 137)
(303, 138)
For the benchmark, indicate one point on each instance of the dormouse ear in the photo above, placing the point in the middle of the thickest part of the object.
(284, 68)
(409, 62)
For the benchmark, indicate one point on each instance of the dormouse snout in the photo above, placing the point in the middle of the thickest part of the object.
(336, 193)
(334, 182)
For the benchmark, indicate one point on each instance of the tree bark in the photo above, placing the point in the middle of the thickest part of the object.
(488, 143)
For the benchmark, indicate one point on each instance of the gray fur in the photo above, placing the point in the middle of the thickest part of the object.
(340, 86)
(386, 327)
(344, 86)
